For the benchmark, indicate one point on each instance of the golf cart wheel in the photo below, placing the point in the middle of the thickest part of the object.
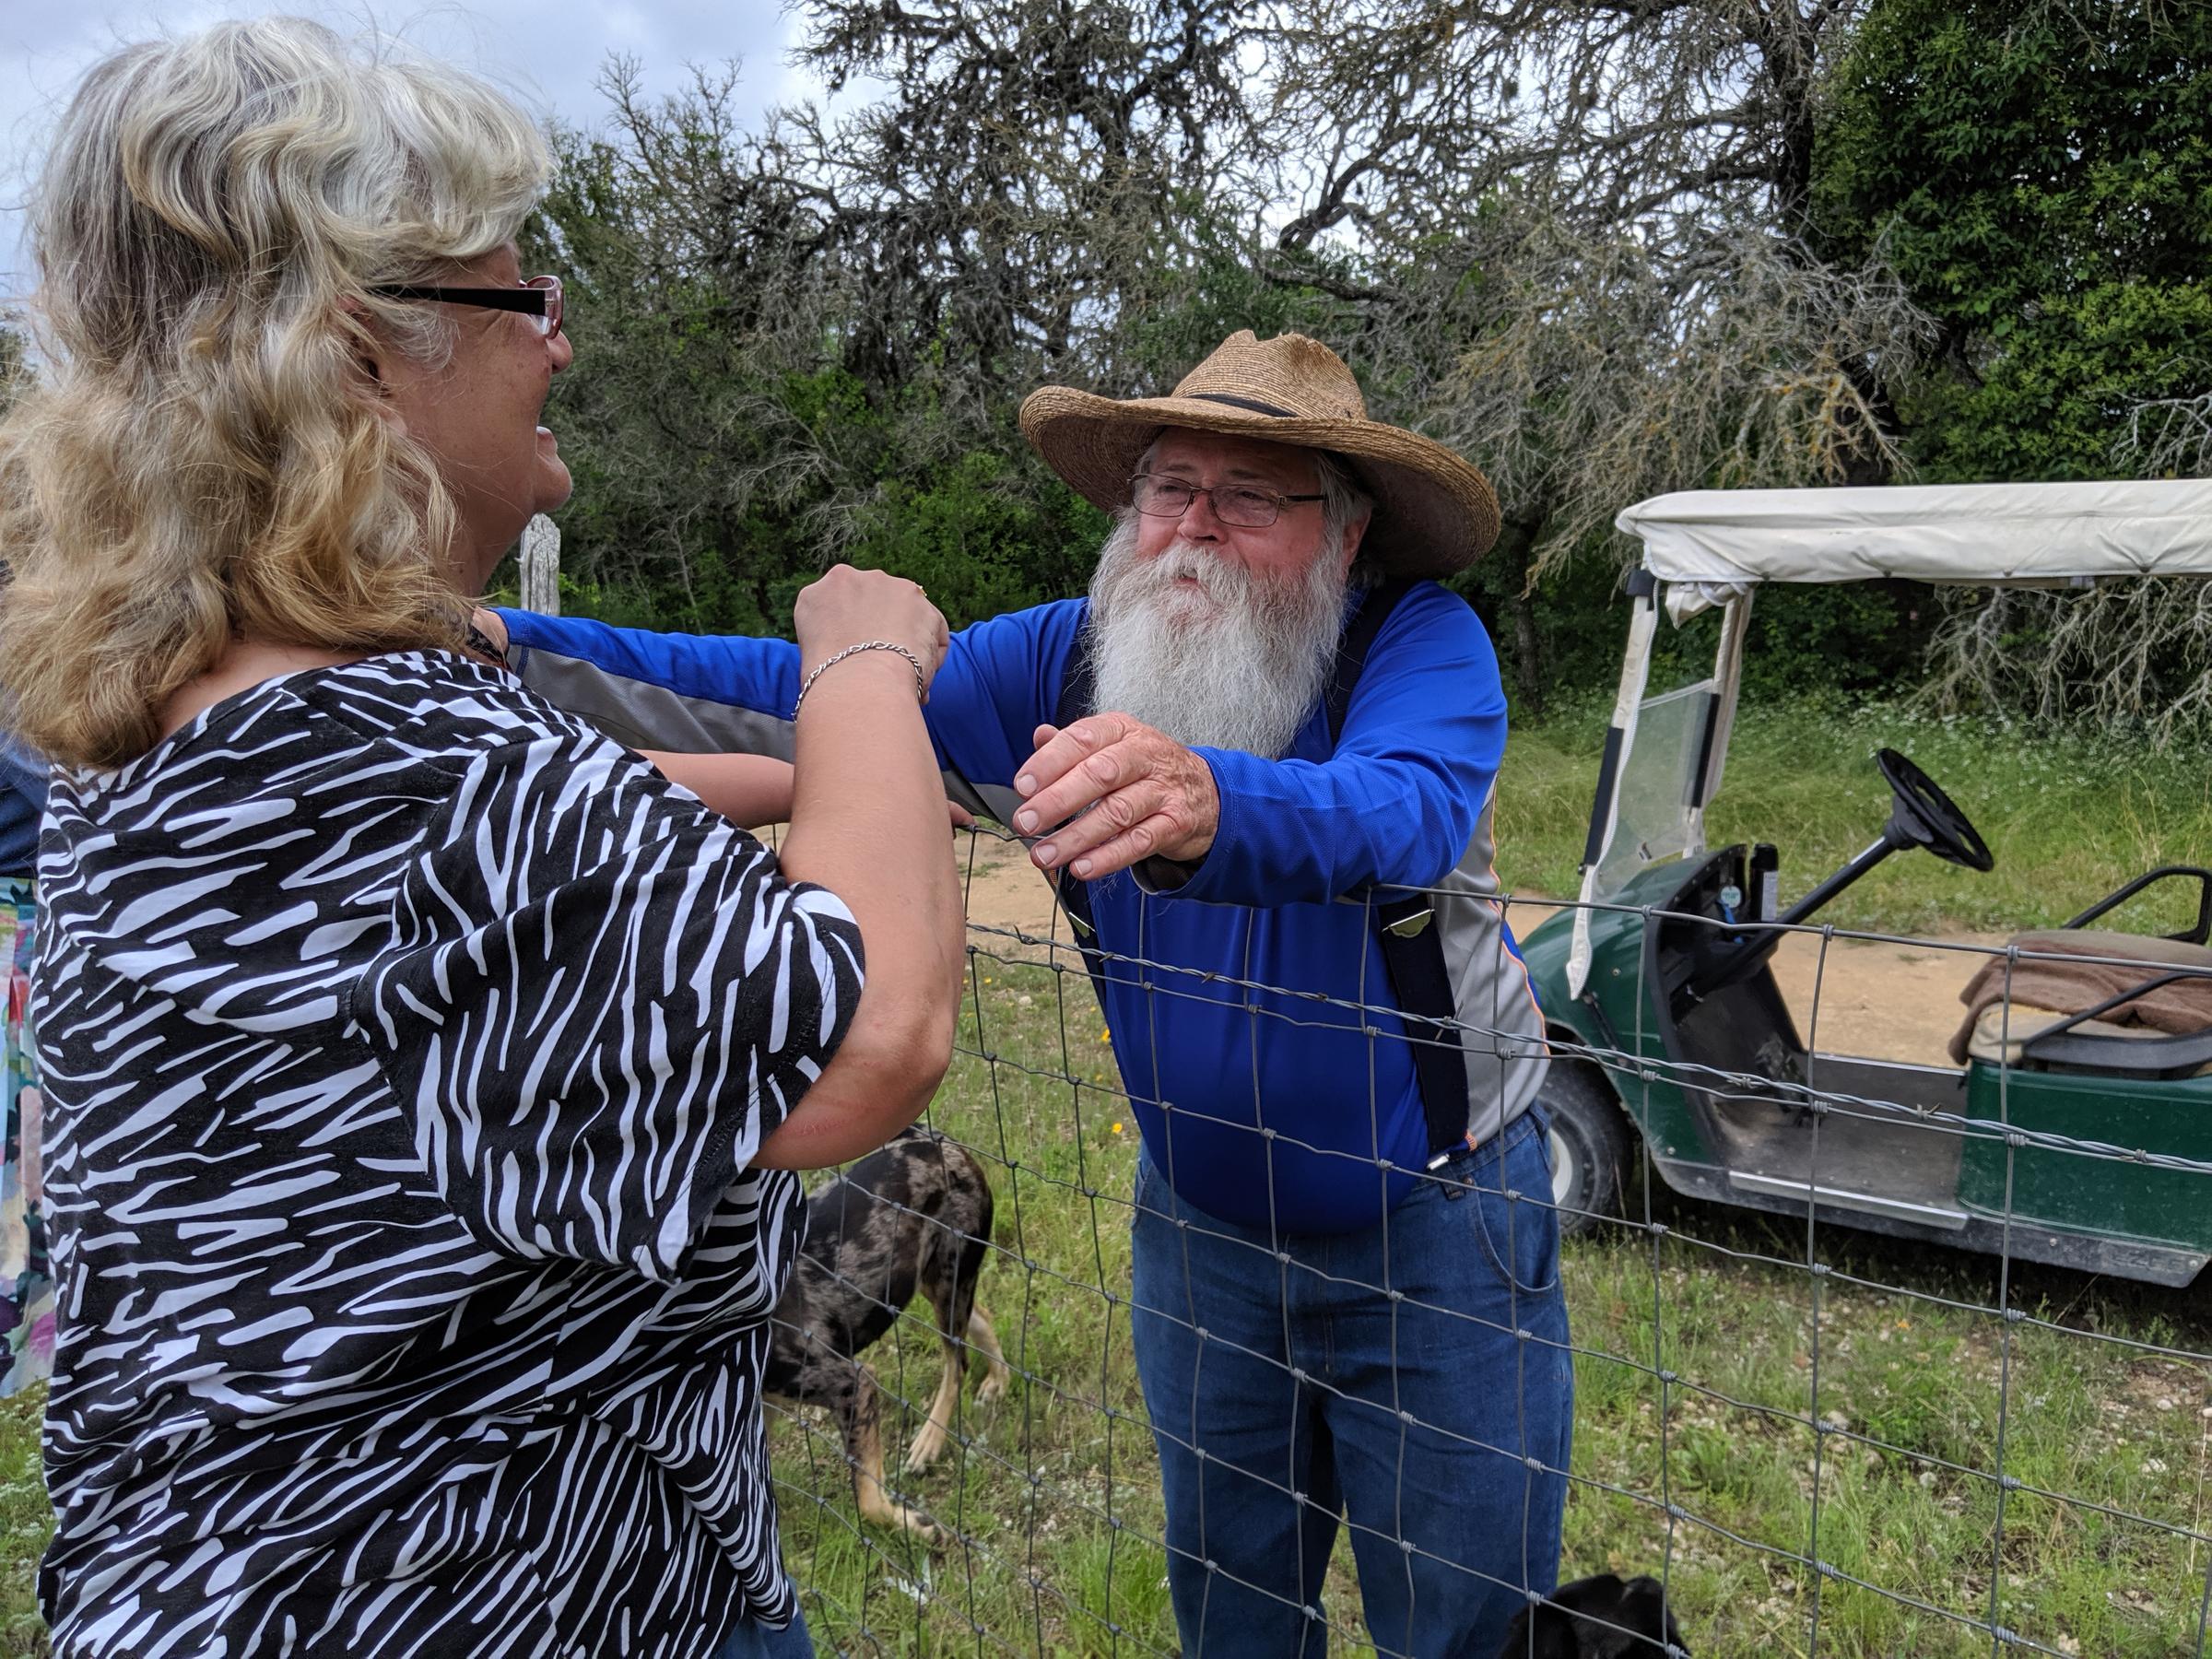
(1590, 1145)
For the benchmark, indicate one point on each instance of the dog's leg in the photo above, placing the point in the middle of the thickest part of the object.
(860, 1416)
(929, 1442)
(951, 1259)
(984, 1341)
(941, 1265)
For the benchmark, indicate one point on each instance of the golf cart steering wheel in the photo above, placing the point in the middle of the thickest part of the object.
(1923, 816)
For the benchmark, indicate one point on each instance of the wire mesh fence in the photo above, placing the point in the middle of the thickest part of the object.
(1875, 1349)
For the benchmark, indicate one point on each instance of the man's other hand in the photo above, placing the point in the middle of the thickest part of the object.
(1139, 793)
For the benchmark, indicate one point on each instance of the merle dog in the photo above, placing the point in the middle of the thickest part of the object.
(915, 1213)
(1598, 1617)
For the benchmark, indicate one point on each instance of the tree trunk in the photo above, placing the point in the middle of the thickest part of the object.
(1509, 559)
(1528, 668)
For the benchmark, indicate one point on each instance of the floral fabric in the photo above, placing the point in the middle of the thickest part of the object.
(25, 1285)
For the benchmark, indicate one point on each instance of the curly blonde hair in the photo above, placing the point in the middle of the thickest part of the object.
(201, 458)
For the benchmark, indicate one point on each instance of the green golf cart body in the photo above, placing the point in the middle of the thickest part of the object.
(2071, 1134)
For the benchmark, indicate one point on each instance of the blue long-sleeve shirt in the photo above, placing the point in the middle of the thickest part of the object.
(1251, 1010)
(22, 805)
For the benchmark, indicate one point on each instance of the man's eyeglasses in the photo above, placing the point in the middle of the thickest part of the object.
(1243, 505)
(538, 299)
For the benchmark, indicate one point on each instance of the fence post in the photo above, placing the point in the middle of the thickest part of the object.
(541, 567)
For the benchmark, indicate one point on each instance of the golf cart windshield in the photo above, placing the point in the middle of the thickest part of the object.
(1701, 548)
(1653, 819)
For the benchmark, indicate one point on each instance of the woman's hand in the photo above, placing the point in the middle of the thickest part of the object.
(847, 606)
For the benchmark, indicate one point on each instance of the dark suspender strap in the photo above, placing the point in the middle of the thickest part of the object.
(1351, 651)
(1412, 947)
(1413, 952)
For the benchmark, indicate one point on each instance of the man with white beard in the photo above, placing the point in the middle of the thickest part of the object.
(1259, 759)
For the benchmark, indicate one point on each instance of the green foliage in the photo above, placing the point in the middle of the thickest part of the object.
(799, 341)
(15, 365)
(2040, 177)
(2055, 402)
(981, 542)
(1855, 638)
(1226, 289)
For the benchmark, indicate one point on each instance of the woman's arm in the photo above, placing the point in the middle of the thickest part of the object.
(751, 789)
(867, 814)
(733, 695)
(867, 822)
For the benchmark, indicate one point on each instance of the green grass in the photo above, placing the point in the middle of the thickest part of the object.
(1053, 1493)
(2070, 813)
(25, 1522)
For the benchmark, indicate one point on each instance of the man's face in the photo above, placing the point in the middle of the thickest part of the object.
(1278, 554)
(1221, 634)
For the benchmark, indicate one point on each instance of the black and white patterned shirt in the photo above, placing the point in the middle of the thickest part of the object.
(406, 1043)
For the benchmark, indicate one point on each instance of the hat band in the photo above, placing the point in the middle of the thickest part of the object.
(1254, 403)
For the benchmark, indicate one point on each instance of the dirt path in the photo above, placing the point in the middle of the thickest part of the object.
(1884, 1002)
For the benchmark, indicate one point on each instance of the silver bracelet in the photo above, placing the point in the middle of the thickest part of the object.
(921, 684)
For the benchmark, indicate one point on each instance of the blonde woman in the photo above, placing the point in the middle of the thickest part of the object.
(421, 1067)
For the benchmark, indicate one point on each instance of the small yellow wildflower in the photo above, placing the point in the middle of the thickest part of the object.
(1117, 1128)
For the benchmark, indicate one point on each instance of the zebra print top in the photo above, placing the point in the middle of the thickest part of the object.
(406, 1045)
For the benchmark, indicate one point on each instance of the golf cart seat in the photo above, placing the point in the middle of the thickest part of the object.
(2091, 999)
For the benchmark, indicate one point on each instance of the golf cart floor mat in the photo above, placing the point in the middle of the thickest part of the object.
(1870, 1149)
(1849, 1133)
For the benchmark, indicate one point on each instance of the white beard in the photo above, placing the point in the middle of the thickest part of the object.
(1238, 664)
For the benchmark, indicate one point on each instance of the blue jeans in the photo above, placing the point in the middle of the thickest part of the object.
(753, 1639)
(1414, 1377)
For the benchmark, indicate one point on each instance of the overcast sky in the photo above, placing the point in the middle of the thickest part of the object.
(546, 52)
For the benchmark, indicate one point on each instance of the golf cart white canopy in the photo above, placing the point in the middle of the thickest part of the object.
(1708, 547)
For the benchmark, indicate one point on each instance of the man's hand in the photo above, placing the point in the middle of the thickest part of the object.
(1141, 794)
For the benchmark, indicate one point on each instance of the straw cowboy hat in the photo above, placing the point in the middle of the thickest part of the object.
(1434, 514)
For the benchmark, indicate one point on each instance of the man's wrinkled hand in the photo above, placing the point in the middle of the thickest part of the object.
(1125, 790)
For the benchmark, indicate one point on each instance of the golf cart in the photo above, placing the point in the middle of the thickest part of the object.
(2072, 1131)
